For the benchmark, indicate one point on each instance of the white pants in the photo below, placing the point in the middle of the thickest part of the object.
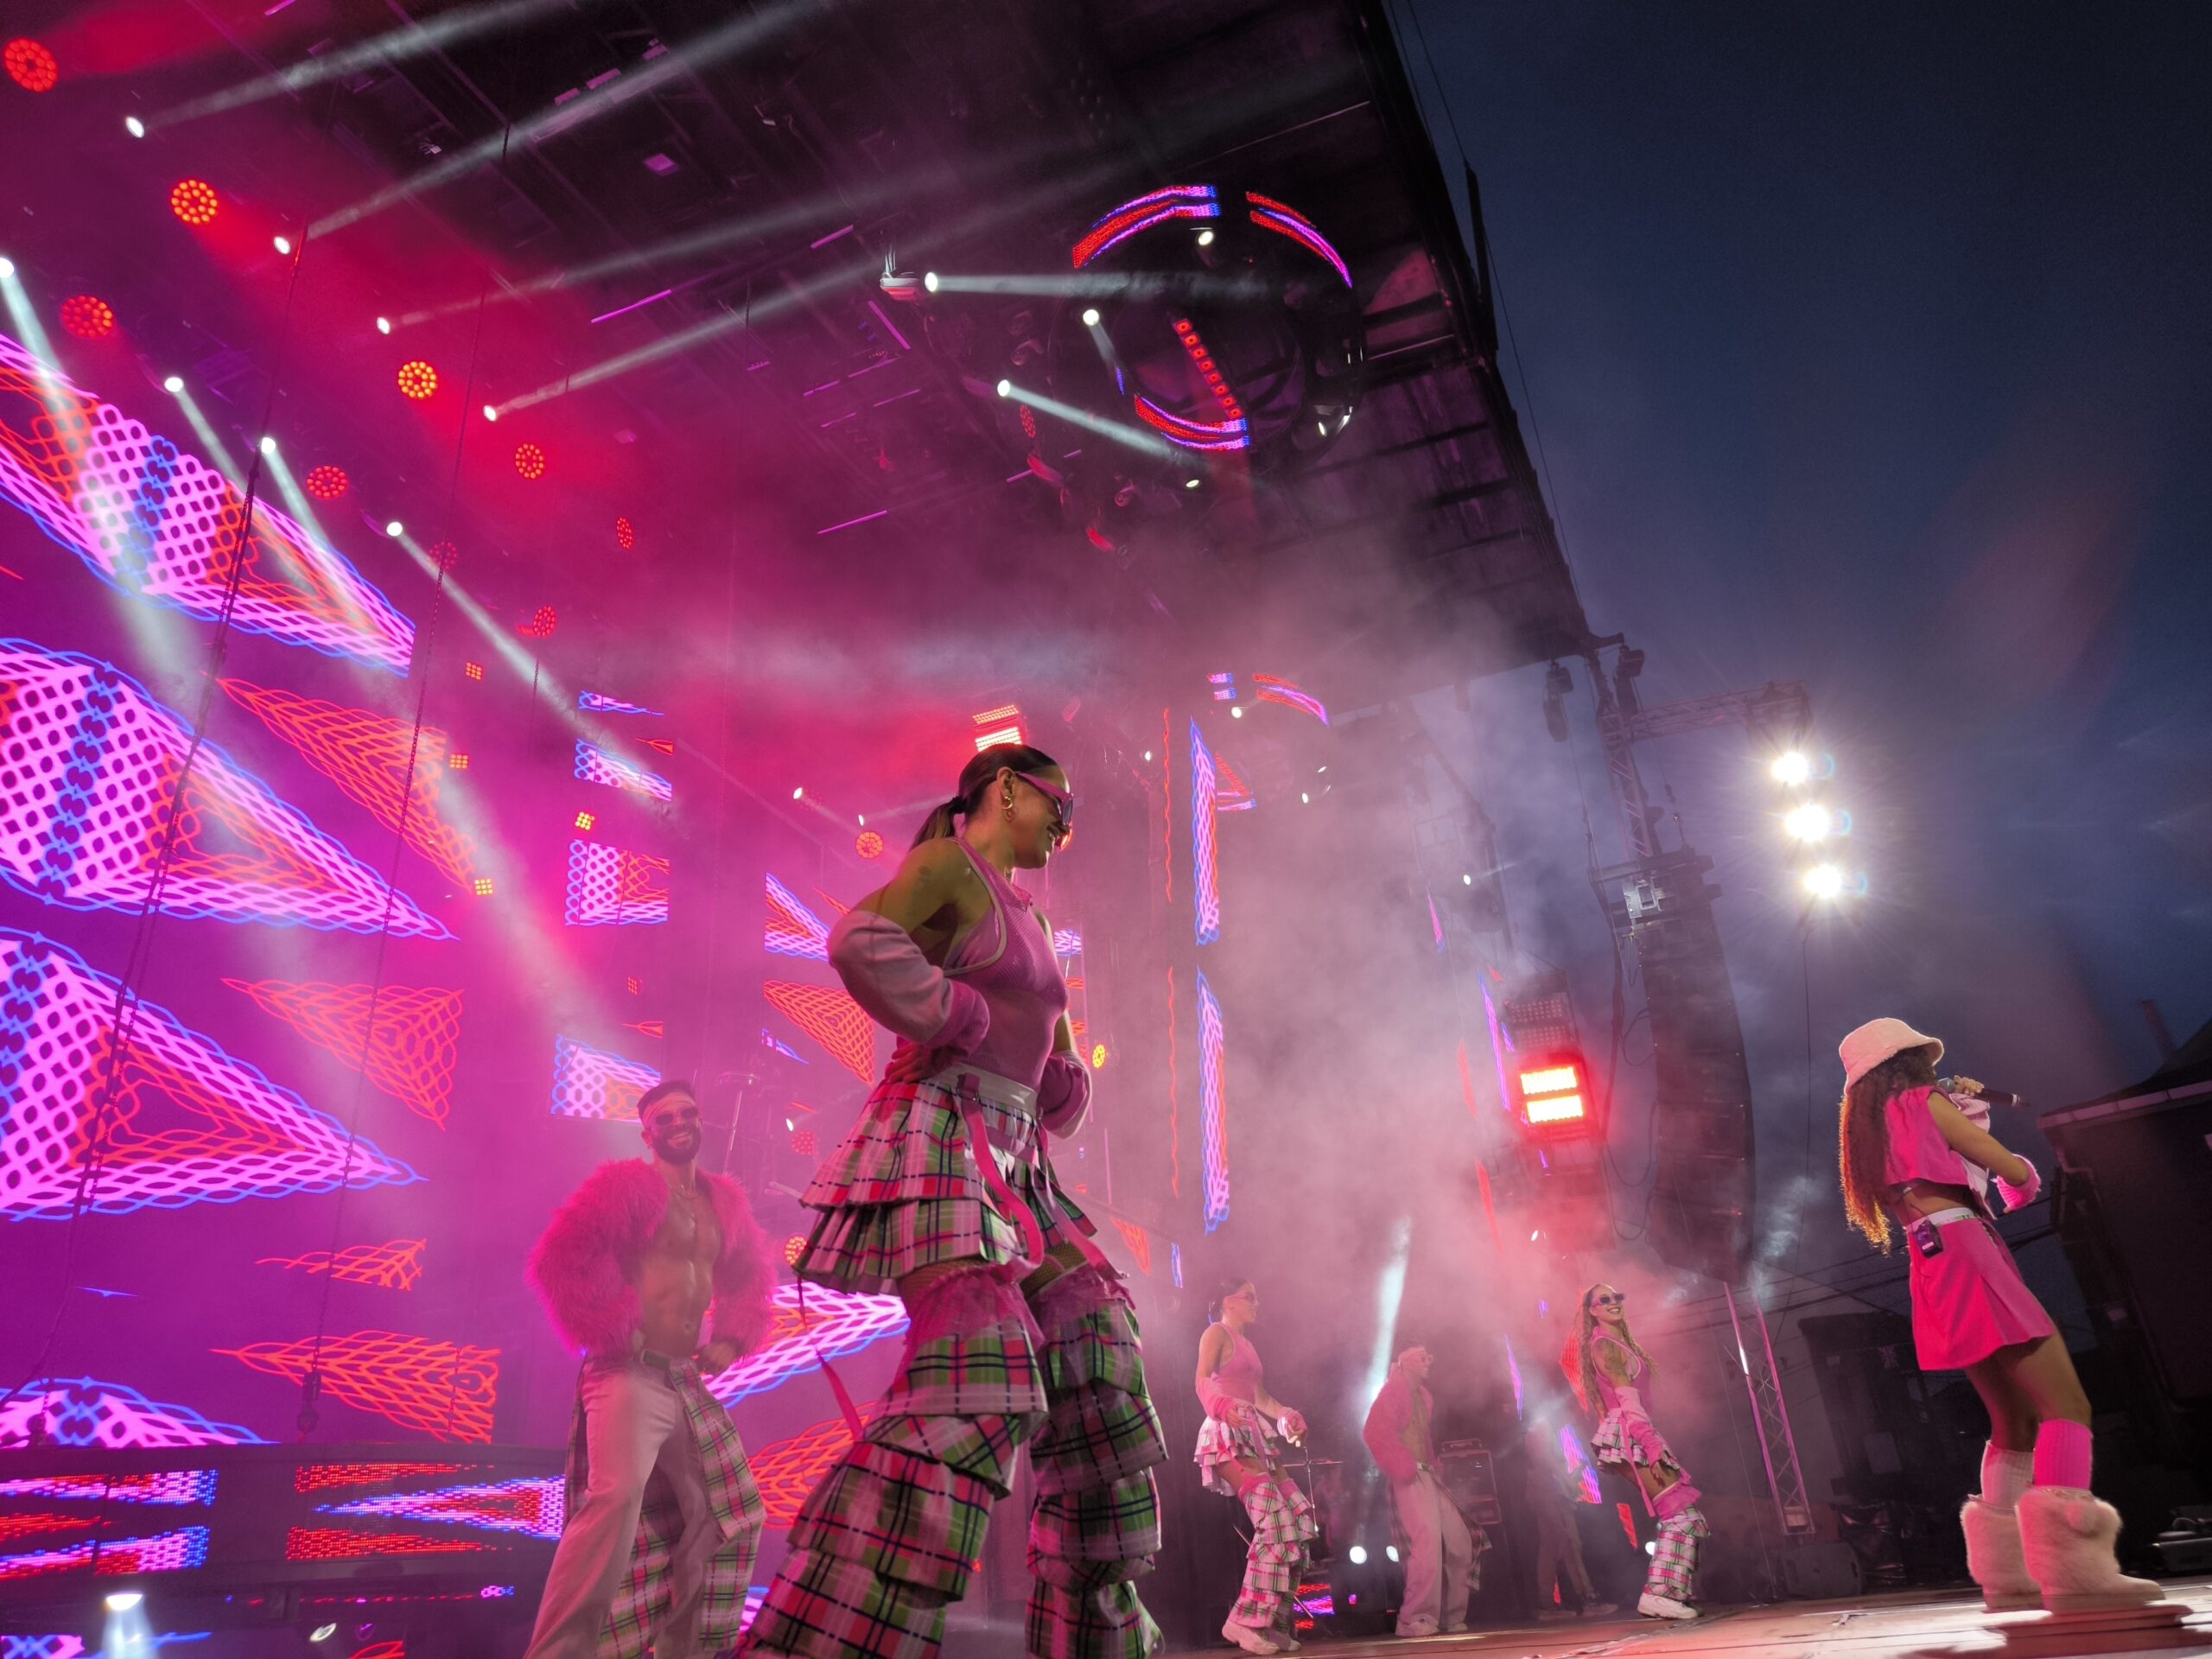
(1440, 1554)
(634, 1427)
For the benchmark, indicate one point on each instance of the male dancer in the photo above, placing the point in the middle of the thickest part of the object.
(629, 1270)
(1439, 1550)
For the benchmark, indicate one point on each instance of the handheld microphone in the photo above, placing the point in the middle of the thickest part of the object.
(1994, 1097)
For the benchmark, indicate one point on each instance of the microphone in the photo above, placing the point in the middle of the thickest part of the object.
(1980, 1091)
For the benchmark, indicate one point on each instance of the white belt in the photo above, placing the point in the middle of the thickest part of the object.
(1945, 1218)
(1000, 1092)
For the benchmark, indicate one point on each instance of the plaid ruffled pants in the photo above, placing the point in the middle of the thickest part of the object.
(1674, 1559)
(1282, 1524)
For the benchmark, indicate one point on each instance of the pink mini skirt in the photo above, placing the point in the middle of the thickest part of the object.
(1969, 1300)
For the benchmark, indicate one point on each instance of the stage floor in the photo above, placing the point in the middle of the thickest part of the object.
(1864, 1627)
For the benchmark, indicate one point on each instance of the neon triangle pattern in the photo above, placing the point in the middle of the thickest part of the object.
(832, 1018)
(396, 1266)
(787, 1470)
(591, 1082)
(320, 1476)
(411, 1053)
(194, 1486)
(338, 1544)
(89, 761)
(251, 1138)
(1139, 1243)
(595, 766)
(611, 886)
(792, 930)
(86, 1412)
(365, 754)
(836, 1323)
(158, 524)
(168, 1552)
(600, 703)
(446, 1390)
(533, 1506)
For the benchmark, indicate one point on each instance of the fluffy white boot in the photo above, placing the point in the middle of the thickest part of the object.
(1994, 1558)
(2067, 1540)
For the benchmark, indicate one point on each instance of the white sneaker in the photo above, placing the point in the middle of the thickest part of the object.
(1653, 1606)
(1251, 1640)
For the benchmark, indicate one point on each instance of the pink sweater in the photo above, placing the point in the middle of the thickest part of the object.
(1390, 1434)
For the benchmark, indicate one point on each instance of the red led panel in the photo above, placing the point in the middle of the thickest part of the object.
(326, 483)
(530, 461)
(418, 379)
(195, 202)
(87, 317)
(30, 66)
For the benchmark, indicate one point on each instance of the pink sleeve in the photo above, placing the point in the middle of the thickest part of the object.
(1063, 1095)
(901, 989)
(1385, 1431)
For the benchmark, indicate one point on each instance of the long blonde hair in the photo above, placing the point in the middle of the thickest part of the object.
(1578, 1359)
(1863, 1138)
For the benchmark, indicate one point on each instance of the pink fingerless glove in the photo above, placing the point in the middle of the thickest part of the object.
(902, 989)
(2016, 1196)
(1638, 1426)
(1063, 1094)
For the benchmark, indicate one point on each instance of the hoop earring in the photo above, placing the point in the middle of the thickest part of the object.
(1006, 806)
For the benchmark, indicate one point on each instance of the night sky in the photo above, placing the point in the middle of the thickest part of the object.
(1868, 346)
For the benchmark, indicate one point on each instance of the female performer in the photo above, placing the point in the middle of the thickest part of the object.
(2034, 1533)
(1239, 1455)
(1020, 1328)
(1606, 1367)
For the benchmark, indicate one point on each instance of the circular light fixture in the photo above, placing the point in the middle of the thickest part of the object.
(1356, 1554)
(1005, 388)
(283, 243)
(1189, 483)
(445, 556)
(1809, 822)
(122, 1601)
(799, 794)
(492, 412)
(868, 844)
(1824, 881)
(134, 126)
(626, 534)
(173, 383)
(1098, 1057)
(326, 483)
(195, 202)
(530, 461)
(794, 1247)
(395, 529)
(1791, 767)
(929, 281)
(1237, 713)
(268, 446)
(1091, 316)
(30, 66)
(7, 268)
(87, 317)
(418, 379)
(384, 324)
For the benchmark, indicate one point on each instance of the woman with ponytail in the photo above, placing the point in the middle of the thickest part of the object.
(1020, 1330)
(1911, 1153)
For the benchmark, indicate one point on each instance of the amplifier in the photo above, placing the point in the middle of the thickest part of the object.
(1464, 1468)
(1821, 1572)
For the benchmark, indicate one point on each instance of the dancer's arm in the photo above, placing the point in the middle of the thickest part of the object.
(1385, 1430)
(875, 949)
(1064, 1092)
(1977, 1145)
(1213, 1351)
(1636, 1422)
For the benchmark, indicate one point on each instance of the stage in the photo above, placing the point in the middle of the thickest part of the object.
(1859, 1627)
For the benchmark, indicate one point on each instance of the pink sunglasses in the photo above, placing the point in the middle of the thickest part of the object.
(1064, 804)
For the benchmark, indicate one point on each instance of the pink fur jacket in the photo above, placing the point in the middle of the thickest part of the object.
(586, 1266)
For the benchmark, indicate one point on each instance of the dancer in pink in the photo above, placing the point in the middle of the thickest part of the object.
(663, 1516)
(1439, 1551)
(1240, 1456)
(1608, 1369)
(1909, 1155)
(1022, 1331)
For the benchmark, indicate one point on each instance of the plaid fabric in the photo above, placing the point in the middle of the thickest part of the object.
(825, 1608)
(1107, 1622)
(983, 1448)
(988, 1373)
(901, 1515)
(903, 1192)
(1282, 1524)
(1243, 1435)
(1612, 1445)
(734, 1503)
(1101, 1427)
(1674, 1558)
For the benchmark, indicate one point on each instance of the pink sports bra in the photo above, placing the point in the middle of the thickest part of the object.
(1006, 957)
(1240, 1373)
(1608, 1396)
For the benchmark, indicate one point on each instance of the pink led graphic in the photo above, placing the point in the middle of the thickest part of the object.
(590, 1081)
(396, 1266)
(366, 754)
(1194, 347)
(1213, 1106)
(88, 765)
(337, 1544)
(14, 1529)
(446, 1390)
(530, 1506)
(599, 703)
(792, 930)
(161, 1486)
(156, 523)
(768, 1040)
(1209, 435)
(186, 1123)
(836, 1323)
(832, 1018)
(1285, 220)
(1206, 876)
(611, 887)
(595, 766)
(1140, 214)
(1231, 792)
(1580, 1469)
(786, 1471)
(322, 1476)
(1139, 1243)
(166, 1552)
(1274, 688)
(84, 1411)
(411, 1054)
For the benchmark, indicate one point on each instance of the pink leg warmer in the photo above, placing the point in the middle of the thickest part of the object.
(2063, 1454)
(2004, 1476)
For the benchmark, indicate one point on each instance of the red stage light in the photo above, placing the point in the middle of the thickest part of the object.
(1551, 1093)
(418, 379)
(625, 535)
(195, 202)
(794, 1247)
(868, 844)
(804, 1144)
(443, 555)
(326, 483)
(530, 460)
(87, 317)
(30, 66)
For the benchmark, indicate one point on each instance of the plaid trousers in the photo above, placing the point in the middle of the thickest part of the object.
(1673, 1560)
(1282, 1524)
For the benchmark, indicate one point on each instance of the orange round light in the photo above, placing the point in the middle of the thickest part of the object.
(30, 66)
(530, 460)
(625, 537)
(87, 317)
(793, 1248)
(418, 379)
(868, 844)
(1098, 1057)
(195, 202)
(326, 483)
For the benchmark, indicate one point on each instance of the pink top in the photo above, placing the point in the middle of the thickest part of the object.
(1240, 1372)
(1608, 1392)
(1917, 1149)
(1007, 958)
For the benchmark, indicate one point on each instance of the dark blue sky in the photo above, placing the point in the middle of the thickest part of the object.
(1869, 345)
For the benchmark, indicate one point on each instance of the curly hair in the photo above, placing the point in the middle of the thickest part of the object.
(1863, 1137)
(1578, 1359)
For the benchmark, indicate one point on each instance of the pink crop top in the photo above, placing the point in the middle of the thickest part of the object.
(1608, 1396)
(1007, 958)
(1918, 1151)
(1240, 1373)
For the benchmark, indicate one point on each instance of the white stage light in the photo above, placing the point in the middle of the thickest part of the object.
(1357, 1554)
(395, 529)
(1824, 881)
(284, 244)
(491, 411)
(174, 384)
(134, 126)
(1810, 822)
(1005, 388)
(929, 281)
(384, 324)
(122, 1601)
(1091, 317)
(1205, 239)
(1391, 1550)
(269, 446)
(1791, 767)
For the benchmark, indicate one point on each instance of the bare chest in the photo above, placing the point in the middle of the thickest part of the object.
(688, 1231)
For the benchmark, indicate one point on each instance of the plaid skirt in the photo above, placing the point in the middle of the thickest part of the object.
(1612, 1445)
(903, 1190)
(1243, 1435)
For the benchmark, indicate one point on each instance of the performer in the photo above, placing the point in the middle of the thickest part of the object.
(1606, 1366)
(1239, 1456)
(1560, 1566)
(663, 1516)
(1908, 1152)
(1021, 1329)
(1438, 1549)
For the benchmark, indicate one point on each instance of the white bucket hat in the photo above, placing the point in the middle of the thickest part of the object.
(1878, 1040)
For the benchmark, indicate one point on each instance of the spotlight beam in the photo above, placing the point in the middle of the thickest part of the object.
(1142, 284)
(1135, 438)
